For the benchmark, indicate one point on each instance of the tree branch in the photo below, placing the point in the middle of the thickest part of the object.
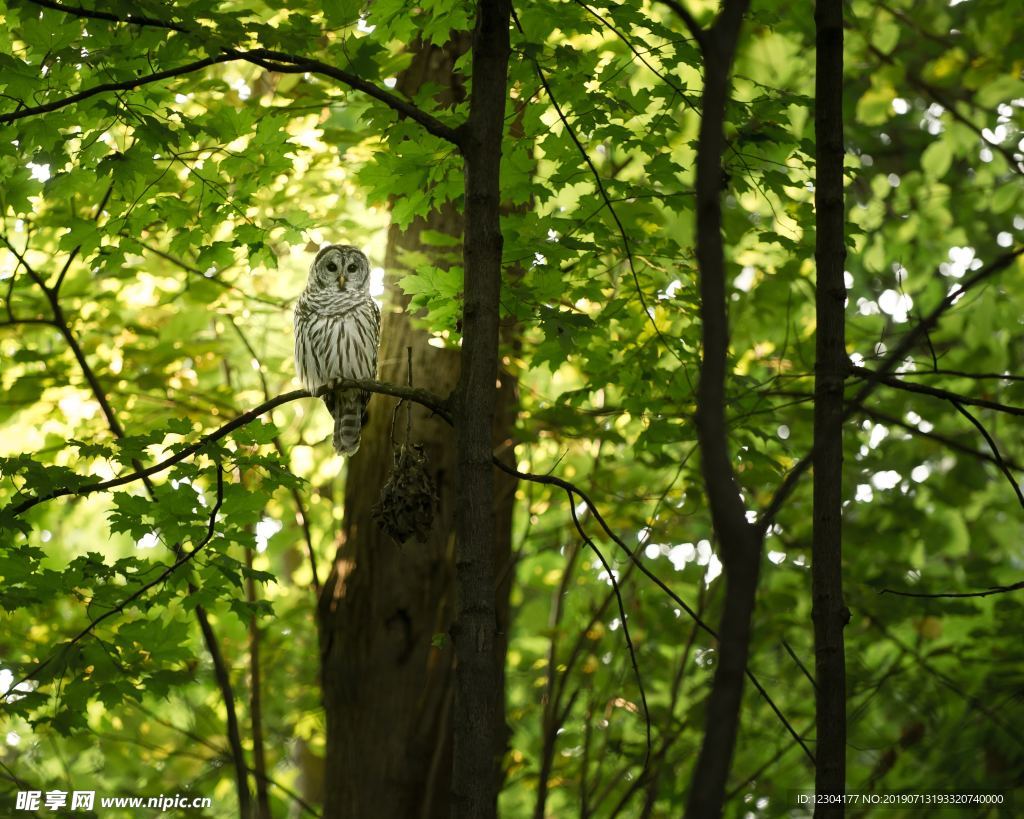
(698, 32)
(995, 450)
(932, 372)
(292, 64)
(987, 593)
(625, 626)
(422, 397)
(939, 438)
(891, 361)
(279, 304)
(209, 636)
(133, 19)
(262, 806)
(934, 392)
(569, 487)
(925, 325)
(949, 105)
(665, 78)
(120, 607)
(265, 58)
(124, 85)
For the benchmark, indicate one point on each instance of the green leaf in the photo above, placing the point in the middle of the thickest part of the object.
(341, 12)
(937, 158)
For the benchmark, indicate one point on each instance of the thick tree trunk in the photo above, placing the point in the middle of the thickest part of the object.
(828, 610)
(387, 665)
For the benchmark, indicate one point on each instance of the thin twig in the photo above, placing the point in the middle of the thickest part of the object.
(935, 392)
(891, 361)
(625, 625)
(77, 248)
(599, 183)
(987, 593)
(1004, 468)
(567, 485)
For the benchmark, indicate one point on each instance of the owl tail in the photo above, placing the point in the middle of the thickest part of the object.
(347, 407)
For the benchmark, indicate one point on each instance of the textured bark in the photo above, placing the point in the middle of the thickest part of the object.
(739, 541)
(477, 713)
(388, 690)
(829, 611)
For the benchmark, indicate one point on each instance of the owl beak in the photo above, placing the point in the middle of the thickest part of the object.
(341, 280)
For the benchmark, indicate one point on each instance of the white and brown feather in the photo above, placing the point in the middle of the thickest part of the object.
(337, 330)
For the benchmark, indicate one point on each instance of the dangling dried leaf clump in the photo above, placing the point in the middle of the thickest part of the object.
(408, 499)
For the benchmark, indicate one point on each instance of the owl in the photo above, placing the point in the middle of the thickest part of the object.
(337, 329)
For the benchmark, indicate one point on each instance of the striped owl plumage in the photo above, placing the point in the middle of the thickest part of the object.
(337, 329)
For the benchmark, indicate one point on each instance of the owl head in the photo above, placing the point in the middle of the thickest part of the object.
(340, 267)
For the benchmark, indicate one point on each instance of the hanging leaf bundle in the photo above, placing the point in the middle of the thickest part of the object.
(408, 498)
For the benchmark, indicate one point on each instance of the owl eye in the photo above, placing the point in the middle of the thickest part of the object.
(352, 268)
(332, 267)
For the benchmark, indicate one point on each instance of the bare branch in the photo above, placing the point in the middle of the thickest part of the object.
(934, 392)
(554, 480)
(944, 440)
(987, 593)
(1003, 467)
(932, 372)
(625, 625)
(891, 361)
(925, 325)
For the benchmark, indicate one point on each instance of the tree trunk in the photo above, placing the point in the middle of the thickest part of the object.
(477, 738)
(385, 612)
(740, 543)
(828, 610)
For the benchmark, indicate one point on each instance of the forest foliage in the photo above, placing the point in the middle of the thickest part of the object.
(156, 233)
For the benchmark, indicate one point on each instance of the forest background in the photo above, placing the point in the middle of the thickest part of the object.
(611, 248)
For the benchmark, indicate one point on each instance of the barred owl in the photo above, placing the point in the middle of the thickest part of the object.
(337, 328)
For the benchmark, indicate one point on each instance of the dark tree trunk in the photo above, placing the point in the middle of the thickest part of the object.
(387, 682)
(829, 611)
(739, 541)
(477, 717)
